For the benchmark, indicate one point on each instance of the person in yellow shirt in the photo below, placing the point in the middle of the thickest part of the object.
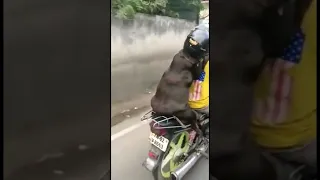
(284, 121)
(199, 89)
(260, 130)
(199, 92)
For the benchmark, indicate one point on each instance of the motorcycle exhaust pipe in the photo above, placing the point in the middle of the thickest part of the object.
(181, 171)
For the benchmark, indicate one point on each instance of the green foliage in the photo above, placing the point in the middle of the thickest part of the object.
(194, 3)
(126, 9)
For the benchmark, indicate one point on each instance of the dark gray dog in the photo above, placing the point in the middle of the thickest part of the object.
(172, 93)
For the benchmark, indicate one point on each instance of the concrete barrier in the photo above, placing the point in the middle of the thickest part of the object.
(141, 50)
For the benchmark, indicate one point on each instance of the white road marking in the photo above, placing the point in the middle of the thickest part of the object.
(128, 130)
(49, 156)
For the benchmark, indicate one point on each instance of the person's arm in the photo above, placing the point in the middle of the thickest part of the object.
(235, 48)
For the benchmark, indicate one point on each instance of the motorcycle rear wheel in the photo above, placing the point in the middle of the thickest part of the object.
(173, 157)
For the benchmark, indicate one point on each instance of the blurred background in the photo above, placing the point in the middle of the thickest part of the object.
(56, 89)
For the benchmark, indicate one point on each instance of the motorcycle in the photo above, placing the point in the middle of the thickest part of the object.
(175, 146)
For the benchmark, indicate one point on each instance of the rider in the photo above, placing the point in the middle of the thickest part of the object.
(199, 90)
(284, 122)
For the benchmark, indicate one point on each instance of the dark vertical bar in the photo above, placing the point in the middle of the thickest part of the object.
(56, 87)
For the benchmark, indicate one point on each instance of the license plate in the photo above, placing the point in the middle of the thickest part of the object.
(159, 141)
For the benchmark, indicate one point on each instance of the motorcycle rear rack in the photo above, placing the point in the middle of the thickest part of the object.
(164, 119)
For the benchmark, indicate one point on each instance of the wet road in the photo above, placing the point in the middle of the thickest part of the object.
(129, 147)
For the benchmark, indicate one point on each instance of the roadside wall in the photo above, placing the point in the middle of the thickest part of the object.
(141, 50)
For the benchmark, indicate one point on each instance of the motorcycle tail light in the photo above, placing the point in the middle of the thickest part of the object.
(152, 155)
(157, 129)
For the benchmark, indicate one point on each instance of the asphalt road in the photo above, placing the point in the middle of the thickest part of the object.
(129, 147)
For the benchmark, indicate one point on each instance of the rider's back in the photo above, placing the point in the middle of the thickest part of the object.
(199, 90)
(233, 155)
(286, 96)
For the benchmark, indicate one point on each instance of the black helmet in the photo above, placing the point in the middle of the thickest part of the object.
(197, 42)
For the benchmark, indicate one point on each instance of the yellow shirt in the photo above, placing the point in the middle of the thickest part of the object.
(285, 113)
(199, 90)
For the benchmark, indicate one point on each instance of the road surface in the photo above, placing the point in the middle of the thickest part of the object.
(129, 147)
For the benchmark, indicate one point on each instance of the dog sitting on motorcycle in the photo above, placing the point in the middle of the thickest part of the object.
(183, 90)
